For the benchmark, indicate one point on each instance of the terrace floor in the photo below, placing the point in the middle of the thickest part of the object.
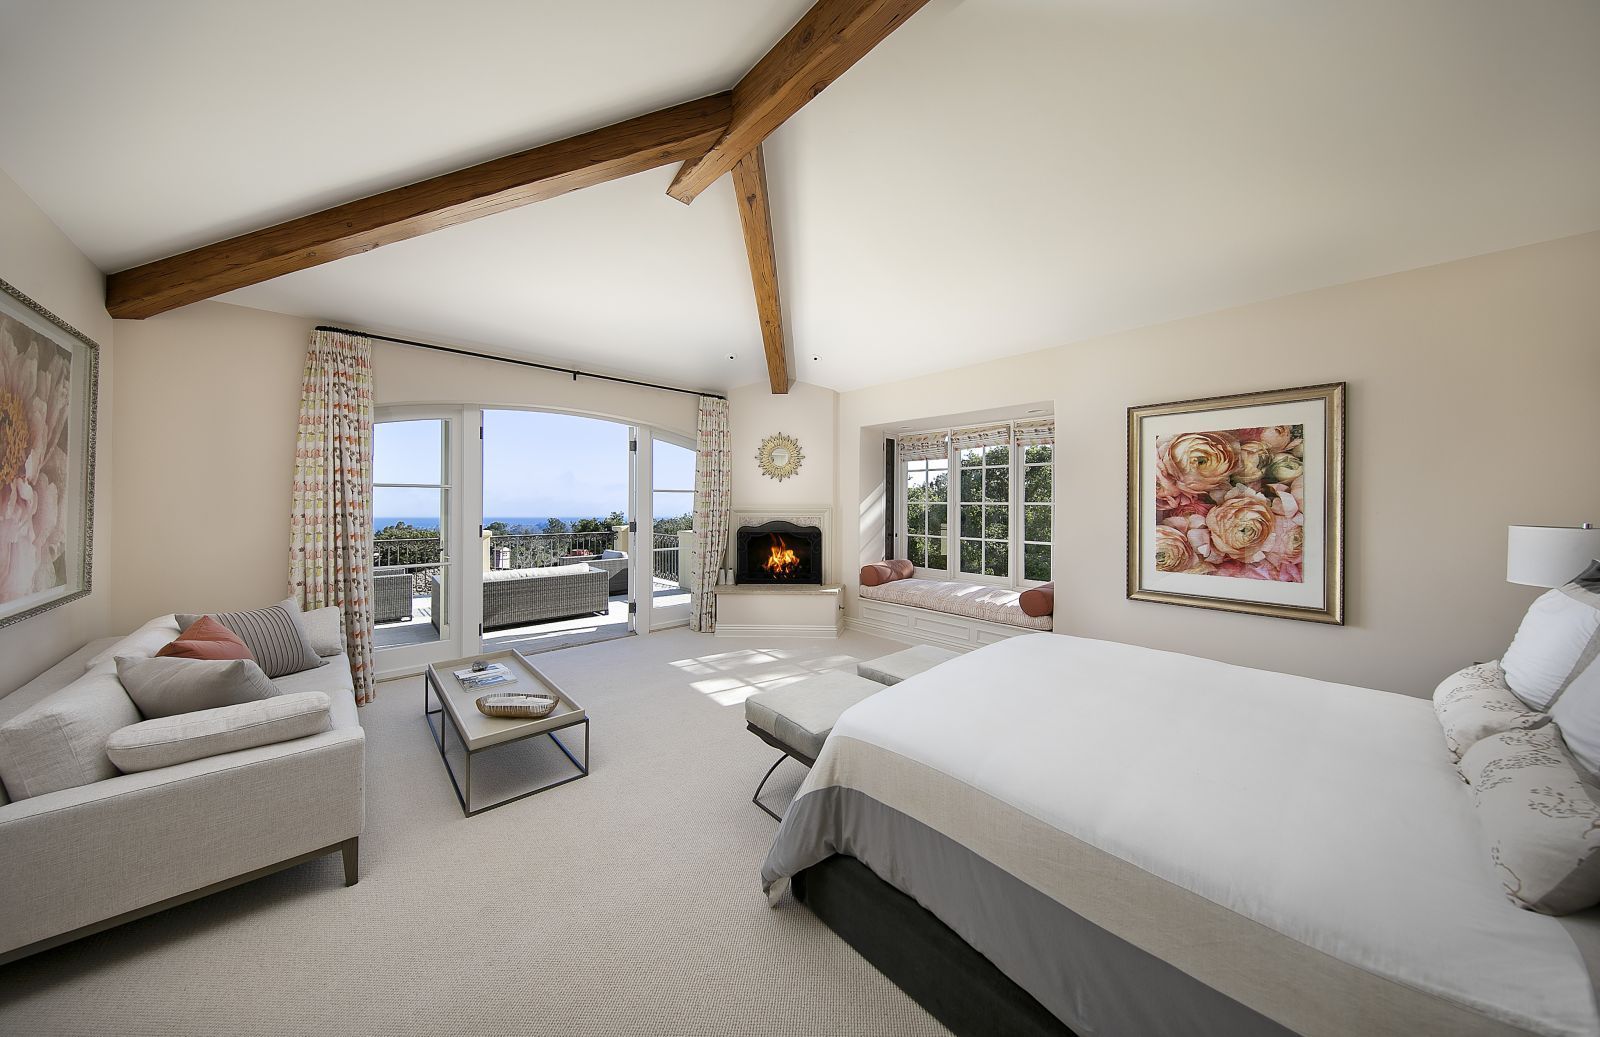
(535, 637)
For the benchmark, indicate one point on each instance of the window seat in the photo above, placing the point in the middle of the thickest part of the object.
(953, 597)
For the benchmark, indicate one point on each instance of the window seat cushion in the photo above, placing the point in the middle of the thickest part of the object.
(973, 600)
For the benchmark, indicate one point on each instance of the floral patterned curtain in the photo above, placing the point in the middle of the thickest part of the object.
(330, 523)
(713, 489)
(979, 437)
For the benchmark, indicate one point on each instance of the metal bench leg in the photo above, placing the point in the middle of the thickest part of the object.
(756, 799)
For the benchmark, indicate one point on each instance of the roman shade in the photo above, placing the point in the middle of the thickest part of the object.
(979, 437)
(924, 446)
(1034, 432)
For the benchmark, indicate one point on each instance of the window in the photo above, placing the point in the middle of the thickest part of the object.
(927, 512)
(1038, 509)
(986, 510)
(995, 523)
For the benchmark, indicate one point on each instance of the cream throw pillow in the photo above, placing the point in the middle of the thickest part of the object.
(165, 687)
(1475, 702)
(1539, 819)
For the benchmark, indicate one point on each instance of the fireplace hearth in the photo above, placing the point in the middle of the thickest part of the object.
(778, 552)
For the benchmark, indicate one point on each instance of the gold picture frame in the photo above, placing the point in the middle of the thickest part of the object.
(1236, 503)
(779, 456)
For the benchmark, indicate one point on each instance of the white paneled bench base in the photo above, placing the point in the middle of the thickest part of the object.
(919, 626)
(766, 610)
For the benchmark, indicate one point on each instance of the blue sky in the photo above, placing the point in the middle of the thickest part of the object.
(534, 464)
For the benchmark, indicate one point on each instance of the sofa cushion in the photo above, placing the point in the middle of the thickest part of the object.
(167, 687)
(144, 642)
(172, 740)
(959, 598)
(274, 635)
(324, 628)
(205, 638)
(60, 743)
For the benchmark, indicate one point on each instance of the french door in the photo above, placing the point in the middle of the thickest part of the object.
(432, 548)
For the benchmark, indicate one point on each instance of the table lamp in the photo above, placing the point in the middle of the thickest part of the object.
(1549, 556)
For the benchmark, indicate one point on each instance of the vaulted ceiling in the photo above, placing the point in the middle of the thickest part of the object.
(995, 177)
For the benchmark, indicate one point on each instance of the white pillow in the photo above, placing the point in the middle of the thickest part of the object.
(1577, 714)
(1474, 703)
(143, 643)
(324, 628)
(169, 741)
(1558, 638)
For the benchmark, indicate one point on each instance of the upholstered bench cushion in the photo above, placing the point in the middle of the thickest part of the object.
(892, 669)
(958, 598)
(801, 714)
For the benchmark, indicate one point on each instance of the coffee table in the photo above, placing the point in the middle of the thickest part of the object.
(477, 733)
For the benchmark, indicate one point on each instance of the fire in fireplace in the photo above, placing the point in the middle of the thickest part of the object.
(778, 552)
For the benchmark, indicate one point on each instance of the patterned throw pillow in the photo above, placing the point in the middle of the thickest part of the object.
(1475, 703)
(274, 636)
(1540, 820)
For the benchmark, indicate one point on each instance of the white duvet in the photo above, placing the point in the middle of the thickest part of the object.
(1329, 813)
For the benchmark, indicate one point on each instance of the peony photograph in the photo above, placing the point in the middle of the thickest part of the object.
(1240, 516)
(44, 371)
(1228, 503)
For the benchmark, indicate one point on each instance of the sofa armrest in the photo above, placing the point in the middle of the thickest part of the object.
(79, 856)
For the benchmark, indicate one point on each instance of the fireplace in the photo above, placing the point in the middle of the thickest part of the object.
(778, 552)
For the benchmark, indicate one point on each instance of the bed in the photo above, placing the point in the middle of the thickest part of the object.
(1149, 843)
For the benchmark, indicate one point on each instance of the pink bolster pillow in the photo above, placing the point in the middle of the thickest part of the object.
(886, 572)
(1039, 601)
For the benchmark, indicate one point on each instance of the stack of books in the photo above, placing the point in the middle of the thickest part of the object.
(495, 675)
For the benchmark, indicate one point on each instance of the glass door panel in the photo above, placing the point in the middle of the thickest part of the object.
(672, 532)
(412, 525)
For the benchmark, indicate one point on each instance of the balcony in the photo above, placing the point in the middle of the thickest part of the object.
(404, 610)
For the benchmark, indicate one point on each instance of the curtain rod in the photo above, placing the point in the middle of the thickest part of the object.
(520, 363)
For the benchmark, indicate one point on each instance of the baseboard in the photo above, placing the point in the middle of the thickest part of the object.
(776, 630)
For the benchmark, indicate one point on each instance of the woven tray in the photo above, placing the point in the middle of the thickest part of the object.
(516, 704)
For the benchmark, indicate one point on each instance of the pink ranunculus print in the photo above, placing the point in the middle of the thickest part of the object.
(34, 406)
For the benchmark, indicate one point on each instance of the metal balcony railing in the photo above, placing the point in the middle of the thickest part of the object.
(664, 561)
(527, 550)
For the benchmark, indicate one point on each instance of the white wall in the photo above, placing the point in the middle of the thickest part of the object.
(42, 263)
(1471, 406)
(212, 397)
(809, 413)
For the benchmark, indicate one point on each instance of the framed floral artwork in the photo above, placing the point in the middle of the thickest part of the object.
(48, 392)
(1237, 503)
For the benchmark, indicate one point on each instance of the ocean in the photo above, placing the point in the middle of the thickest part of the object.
(532, 521)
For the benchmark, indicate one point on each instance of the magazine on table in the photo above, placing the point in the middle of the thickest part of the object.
(495, 674)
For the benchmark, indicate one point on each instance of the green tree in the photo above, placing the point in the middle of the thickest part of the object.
(555, 525)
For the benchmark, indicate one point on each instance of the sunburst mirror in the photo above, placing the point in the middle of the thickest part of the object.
(779, 456)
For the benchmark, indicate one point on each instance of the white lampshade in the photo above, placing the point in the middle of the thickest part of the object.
(1549, 556)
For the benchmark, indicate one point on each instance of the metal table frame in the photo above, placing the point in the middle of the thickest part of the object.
(464, 795)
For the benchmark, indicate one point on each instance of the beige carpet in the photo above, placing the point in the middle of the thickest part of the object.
(624, 903)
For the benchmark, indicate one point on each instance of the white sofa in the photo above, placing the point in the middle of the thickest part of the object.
(79, 860)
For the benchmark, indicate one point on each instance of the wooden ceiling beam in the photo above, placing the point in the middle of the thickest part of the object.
(755, 214)
(671, 135)
(821, 47)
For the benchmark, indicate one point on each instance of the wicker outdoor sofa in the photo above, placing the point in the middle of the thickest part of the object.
(518, 597)
(391, 595)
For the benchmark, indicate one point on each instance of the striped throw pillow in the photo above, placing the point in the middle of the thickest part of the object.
(276, 640)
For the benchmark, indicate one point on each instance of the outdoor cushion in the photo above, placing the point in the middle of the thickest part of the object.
(205, 638)
(167, 687)
(169, 741)
(273, 634)
(892, 669)
(800, 715)
(60, 743)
